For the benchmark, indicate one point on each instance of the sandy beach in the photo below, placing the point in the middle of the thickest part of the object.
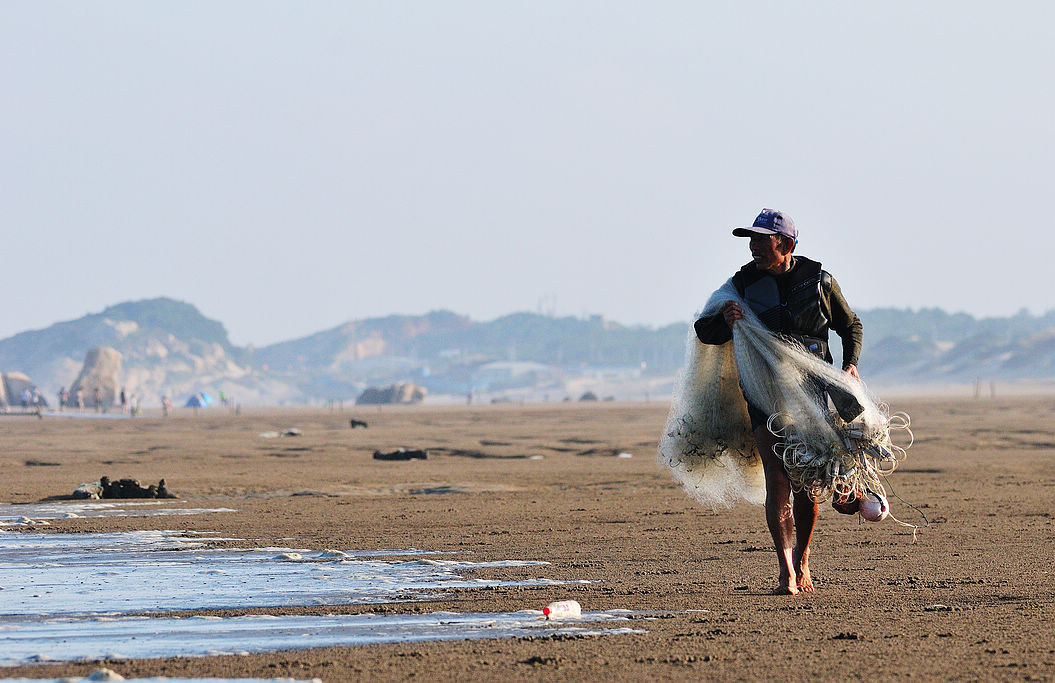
(577, 486)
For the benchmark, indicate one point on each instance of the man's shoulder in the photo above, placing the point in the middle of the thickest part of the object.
(747, 274)
(809, 270)
(808, 264)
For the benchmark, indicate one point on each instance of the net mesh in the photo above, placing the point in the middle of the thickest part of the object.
(707, 441)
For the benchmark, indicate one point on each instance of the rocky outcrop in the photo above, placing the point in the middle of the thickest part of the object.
(122, 488)
(102, 371)
(167, 348)
(403, 392)
(12, 387)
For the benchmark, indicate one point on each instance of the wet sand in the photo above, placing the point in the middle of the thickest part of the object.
(970, 597)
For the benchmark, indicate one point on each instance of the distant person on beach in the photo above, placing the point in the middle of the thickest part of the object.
(792, 296)
(97, 400)
(79, 397)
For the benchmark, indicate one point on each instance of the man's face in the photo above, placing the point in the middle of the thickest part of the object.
(765, 251)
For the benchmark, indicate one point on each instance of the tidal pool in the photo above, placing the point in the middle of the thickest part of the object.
(31, 514)
(158, 571)
(114, 638)
(107, 675)
(72, 596)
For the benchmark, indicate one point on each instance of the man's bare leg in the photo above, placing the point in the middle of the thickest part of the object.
(779, 514)
(805, 509)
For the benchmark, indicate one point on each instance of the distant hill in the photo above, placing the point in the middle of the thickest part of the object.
(442, 350)
(169, 348)
(931, 345)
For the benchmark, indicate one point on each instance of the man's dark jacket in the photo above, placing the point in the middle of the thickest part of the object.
(803, 303)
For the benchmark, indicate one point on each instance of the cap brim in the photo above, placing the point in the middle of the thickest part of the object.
(747, 232)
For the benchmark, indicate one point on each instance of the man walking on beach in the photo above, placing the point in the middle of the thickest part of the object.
(792, 296)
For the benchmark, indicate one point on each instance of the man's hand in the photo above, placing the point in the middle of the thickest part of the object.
(852, 371)
(732, 312)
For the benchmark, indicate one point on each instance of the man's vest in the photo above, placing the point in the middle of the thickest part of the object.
(802, 313)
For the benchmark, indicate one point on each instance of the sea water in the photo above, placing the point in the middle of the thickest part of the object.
(137, 571)
(73, 596)
(115, 638)
(33, 514)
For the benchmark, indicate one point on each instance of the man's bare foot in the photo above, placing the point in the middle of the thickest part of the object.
(802, 571)
(788, 585)
(805, 581)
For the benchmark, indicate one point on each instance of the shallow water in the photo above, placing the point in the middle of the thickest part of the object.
(70, 597)
(80, 638)
(161, 679)
(49, 574)
(30, 514)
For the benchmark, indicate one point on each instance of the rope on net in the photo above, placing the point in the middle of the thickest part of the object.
(848, 465)
(915, 527)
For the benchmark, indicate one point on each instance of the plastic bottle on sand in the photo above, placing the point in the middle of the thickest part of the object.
(565, 609)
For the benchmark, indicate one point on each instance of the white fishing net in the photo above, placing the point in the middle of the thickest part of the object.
(707, 441)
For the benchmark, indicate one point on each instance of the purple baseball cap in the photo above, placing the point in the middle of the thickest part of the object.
(770, 222)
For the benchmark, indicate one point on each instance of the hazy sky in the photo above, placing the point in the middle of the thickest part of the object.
(289, 166)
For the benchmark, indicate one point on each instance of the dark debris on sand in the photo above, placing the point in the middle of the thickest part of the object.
(122, 488)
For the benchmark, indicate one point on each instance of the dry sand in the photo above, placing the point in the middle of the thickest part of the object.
(969, 598)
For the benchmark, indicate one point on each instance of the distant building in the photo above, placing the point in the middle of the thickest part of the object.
(506, 374)
(608, 373)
